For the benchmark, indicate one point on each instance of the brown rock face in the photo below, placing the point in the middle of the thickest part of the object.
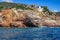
(10, 19)
(7, 18)
(22, 16)
(18, 24)
(58, 22)
(5, 24)
(13, 18)
(50, 23)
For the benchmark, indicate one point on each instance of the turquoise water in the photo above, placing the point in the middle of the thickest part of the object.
(30, 34)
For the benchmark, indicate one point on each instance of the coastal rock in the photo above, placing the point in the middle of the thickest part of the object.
(6, 18)
(5, 24)
(22, 16)
(18, 15)
(15, 18)
(18, 24)
(50, 23)
(32, 19)
(58, 22)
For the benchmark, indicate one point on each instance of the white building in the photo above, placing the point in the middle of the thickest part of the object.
(40, 9)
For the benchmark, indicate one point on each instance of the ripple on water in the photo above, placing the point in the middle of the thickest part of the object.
(30, 34)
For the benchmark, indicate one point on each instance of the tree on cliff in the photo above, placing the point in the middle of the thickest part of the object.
(45, 9)
(1, 7)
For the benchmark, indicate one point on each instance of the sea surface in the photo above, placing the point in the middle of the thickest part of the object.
(42, 33)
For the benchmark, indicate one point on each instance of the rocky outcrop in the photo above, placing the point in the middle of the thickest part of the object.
(6, 17)
(50, 23)
(18, 24)
(58, 22)
(25, 18)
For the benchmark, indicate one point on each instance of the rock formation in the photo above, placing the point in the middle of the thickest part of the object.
(50, 23)
(25, 18)
(6, 17)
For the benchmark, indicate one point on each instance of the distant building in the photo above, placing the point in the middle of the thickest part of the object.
(40, 8)
(33, 5)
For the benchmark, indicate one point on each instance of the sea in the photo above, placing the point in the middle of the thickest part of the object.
(40, 33)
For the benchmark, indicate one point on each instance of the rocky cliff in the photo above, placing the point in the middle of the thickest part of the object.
(23, 16)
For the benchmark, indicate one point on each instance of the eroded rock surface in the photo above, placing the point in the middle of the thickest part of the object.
(25, 18)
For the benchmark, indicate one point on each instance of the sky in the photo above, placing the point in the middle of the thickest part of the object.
(53, 5)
